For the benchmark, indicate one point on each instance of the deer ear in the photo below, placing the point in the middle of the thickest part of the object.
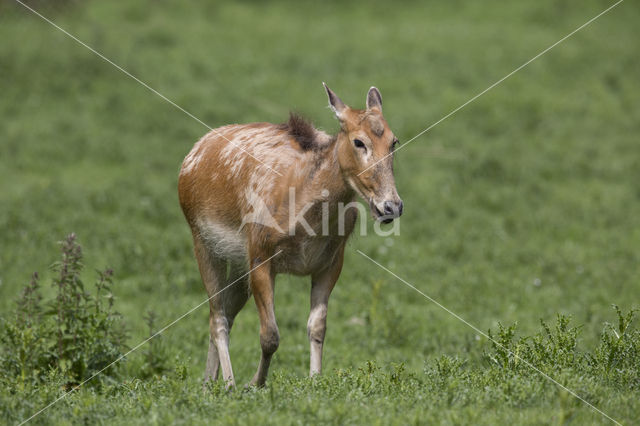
(335, 103)
(374, 99)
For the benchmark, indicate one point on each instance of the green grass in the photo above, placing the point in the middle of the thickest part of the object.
(524, 204)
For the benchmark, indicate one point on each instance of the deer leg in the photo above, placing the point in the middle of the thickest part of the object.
(233, 298)
(238, 292)
(322, 284)
(262, 285)
(213, 272)
(213, 361)
(221, 339)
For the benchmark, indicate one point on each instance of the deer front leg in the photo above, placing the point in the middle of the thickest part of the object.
(262, 284)
(322, 284)
(213, 361)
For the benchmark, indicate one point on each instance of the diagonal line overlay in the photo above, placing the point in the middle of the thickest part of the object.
(142, 83)
(495, 84)
(64, 395)
(477, 330)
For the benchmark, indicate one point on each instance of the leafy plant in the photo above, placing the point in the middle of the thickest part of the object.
(614, 360)
(75, 334)
(617, 357)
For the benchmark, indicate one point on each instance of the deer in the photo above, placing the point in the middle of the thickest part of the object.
(264, 199)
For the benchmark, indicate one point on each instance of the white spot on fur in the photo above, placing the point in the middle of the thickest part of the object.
(237, 162)
(226, 152)
(257, 143)
(194, 157)
(262, 179)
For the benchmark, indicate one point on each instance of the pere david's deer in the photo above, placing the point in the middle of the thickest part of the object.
(263, 199)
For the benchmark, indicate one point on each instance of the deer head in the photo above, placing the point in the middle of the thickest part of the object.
(365, 153)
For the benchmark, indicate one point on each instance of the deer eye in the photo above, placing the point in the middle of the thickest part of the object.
(394, 144)
(358, 143)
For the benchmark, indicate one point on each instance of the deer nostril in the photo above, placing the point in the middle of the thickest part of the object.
(393, 208)
(389, 208)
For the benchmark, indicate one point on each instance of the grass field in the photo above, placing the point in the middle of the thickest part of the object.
(523, 205)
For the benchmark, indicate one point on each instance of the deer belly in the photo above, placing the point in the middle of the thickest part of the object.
(223, 241)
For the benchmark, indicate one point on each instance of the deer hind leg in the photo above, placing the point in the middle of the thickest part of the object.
(214, 272)
(238, 291)
(262, 286)
(234, 297)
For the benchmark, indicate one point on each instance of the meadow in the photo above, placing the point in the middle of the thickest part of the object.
(522, 207)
